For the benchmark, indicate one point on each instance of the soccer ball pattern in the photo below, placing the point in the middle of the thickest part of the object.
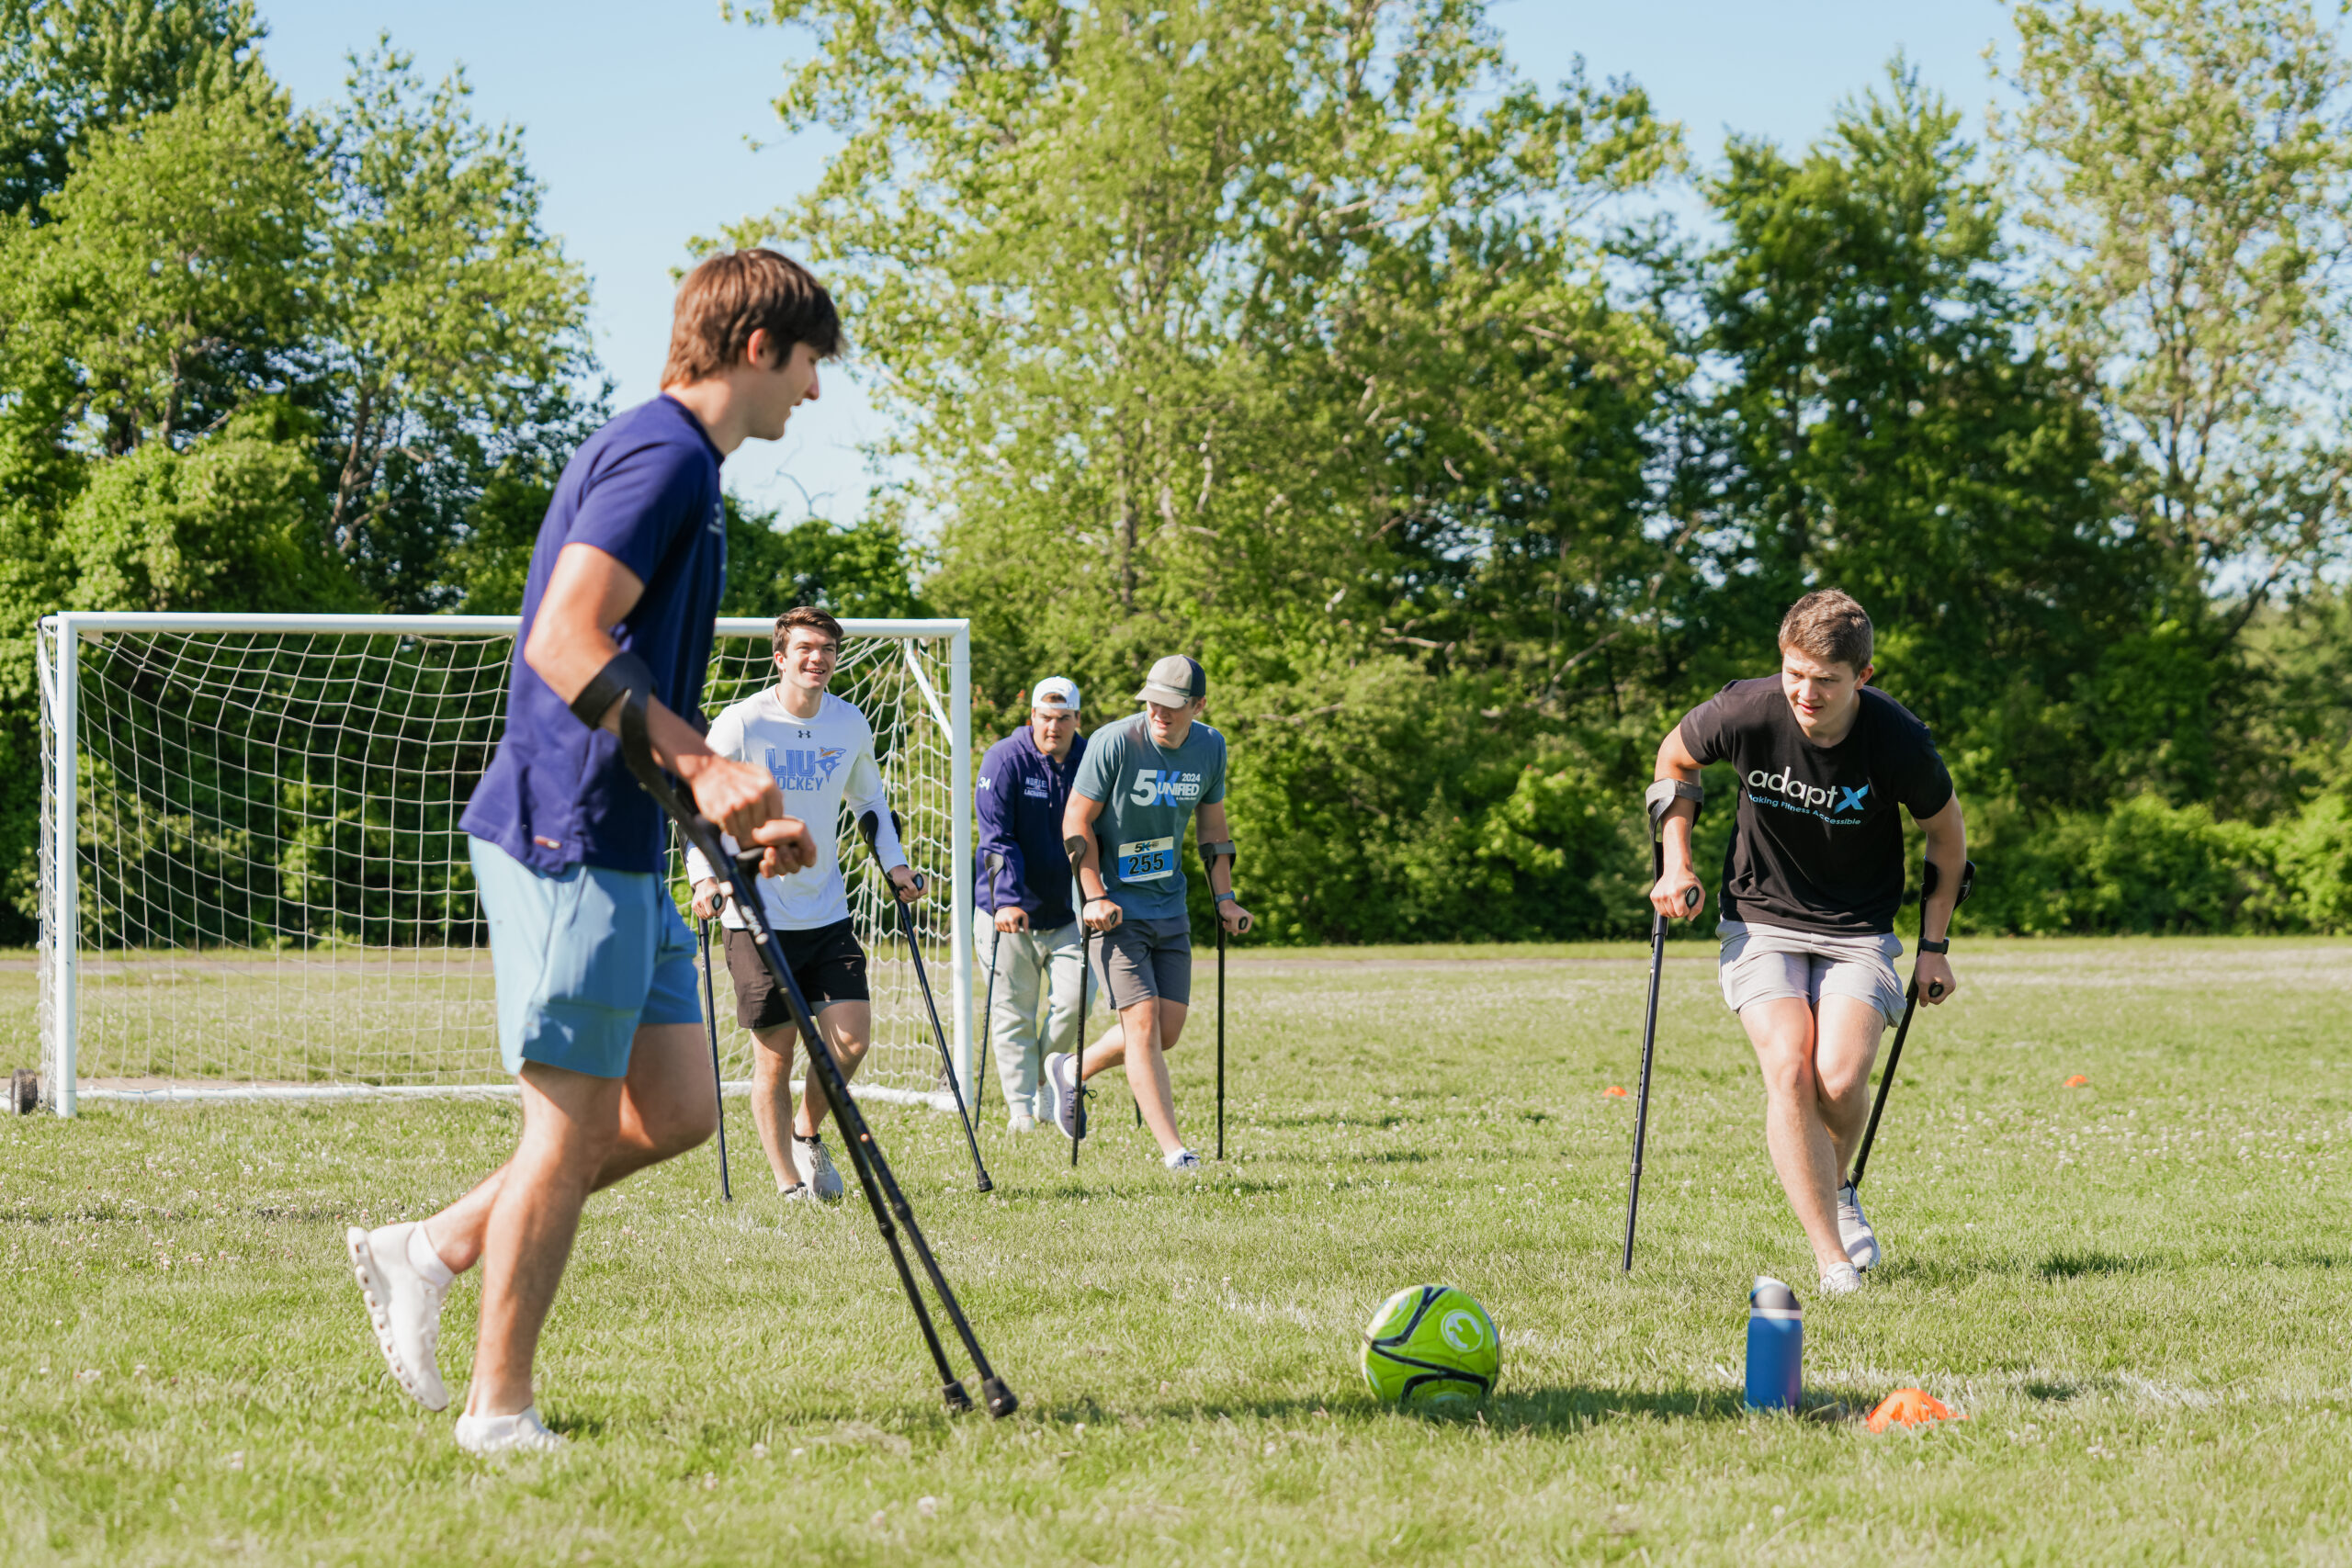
(1431, 1346)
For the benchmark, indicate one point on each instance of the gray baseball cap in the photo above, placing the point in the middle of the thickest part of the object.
(1175, 681)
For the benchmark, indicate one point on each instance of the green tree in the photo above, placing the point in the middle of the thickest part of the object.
(452, 330)
(1889, 425)
(178, 274)
(70, 68)
(2187, 167)
(1275, 333)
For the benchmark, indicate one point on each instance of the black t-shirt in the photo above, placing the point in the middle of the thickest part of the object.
(1818, 846)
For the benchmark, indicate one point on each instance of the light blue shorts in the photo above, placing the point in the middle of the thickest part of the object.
(580, 960)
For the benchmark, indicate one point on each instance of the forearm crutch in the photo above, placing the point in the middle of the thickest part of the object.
(1210, 855)
(868, 824)
(882, 1191)
(995, 864)
(1910, 1005)
(1657, 806)
(1075, 847)
(717, 1083)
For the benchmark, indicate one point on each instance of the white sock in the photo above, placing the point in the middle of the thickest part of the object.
(424, 1260)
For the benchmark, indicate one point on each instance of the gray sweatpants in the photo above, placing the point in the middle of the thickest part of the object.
(1027, 962)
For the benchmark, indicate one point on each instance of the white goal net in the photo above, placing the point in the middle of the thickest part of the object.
(252, 881)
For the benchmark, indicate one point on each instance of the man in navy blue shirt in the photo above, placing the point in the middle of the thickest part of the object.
(597, 1016)
(1033, 927)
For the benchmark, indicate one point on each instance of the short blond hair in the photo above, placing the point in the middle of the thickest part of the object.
(1829, 626)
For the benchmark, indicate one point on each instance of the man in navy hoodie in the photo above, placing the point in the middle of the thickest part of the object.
(1026, 911)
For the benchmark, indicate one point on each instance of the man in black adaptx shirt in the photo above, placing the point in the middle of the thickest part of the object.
(1811, 883)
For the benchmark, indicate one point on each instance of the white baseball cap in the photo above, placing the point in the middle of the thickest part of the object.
(1054, 693)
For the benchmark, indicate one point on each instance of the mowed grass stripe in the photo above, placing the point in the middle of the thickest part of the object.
(2138, 1290)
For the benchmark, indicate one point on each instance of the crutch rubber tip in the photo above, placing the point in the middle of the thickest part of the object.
(956, 1397)
(1000, 1398)
(986, 1185)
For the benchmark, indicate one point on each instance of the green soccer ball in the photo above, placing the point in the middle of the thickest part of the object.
(1432, 1346)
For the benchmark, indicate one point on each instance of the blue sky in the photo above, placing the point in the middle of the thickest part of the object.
(638, 116)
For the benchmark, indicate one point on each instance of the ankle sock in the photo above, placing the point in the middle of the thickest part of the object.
(424, 1260)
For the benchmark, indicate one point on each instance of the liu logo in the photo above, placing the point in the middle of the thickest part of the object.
(795, 768)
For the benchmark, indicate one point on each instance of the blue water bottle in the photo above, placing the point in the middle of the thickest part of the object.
(1775, 1345)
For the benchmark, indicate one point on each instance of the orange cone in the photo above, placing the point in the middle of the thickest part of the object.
(2078, 1081)
(1614, 1091)
(1911, 1406)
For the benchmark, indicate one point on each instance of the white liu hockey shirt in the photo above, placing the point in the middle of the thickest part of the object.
(820, 763)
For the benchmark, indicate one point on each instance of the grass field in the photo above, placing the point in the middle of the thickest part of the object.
(2139, 1292)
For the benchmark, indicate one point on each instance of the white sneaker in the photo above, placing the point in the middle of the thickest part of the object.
(1840, 1280)
(816, 1168)
(1184, 1162)
(1062, 1078)
(403, 1305)
(1854, 1229)
(795, 1193)
(1021, 1121)
(521, 1433)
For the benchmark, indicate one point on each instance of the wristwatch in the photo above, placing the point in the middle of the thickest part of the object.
(1943, 946)
(1225, 898)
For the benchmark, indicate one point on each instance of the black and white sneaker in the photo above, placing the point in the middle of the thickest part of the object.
(1854, 1229)
(1062, 1078)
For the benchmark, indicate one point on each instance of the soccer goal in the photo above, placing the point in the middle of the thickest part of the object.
(253, 884)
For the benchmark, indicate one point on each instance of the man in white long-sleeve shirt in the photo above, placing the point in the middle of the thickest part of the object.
(819, 750)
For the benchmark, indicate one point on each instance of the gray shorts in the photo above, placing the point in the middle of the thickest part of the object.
(1137, 959)
(1760, 963)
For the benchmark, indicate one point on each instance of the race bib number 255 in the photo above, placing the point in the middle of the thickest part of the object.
(1147, 859)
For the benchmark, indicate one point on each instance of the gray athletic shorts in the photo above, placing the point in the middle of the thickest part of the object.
(1137, 959)
(1760, 963)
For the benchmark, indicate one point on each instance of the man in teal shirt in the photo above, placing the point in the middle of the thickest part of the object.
(1141, 781)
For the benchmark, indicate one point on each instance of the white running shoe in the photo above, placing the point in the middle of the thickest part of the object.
(795, 1193)
(1854, 1229)
(1062, 1078)
(816, 1168)
(521, 1433)
(1183, 1162)
(403, 1305)
(1020, 1121)
(1840, 1280)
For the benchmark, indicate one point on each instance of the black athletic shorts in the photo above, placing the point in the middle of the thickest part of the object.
(826, 962)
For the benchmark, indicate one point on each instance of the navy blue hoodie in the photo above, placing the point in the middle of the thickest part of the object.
(1020, 795)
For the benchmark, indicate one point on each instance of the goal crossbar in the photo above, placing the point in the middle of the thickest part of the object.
(931, 687)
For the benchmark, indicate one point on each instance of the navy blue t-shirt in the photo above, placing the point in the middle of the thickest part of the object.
(644, 489)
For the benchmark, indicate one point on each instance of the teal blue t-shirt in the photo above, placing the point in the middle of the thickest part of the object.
(1147, 796)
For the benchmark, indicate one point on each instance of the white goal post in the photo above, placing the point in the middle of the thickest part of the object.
(253, 884)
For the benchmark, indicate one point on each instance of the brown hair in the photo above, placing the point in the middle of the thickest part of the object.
(730, 296)
(806, 615)
(1830, 626)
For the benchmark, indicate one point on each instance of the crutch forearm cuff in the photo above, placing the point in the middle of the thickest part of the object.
(623, 673)
(1221, 850)
(1666, 792)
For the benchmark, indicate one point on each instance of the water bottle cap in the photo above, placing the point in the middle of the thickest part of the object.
(1772, 1296)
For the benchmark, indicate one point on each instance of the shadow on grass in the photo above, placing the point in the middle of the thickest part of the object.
(1545, 1410)
(2077, 1265)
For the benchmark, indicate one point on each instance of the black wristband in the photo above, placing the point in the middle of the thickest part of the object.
(1943, 946)
(624, 673)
